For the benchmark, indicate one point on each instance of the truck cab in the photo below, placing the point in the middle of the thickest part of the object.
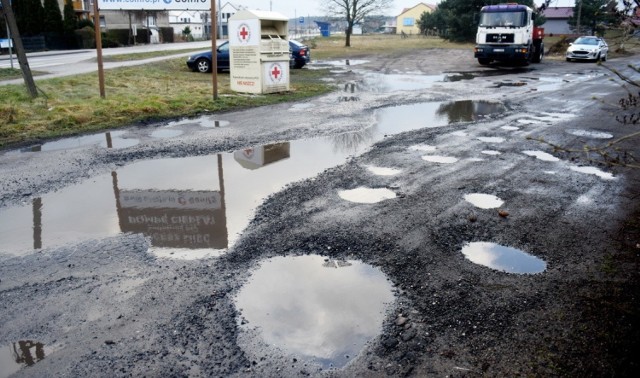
(506, 33)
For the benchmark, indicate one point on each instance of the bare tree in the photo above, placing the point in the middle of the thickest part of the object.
(354, 11)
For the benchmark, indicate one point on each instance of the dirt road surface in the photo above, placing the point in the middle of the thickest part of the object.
(448, 222)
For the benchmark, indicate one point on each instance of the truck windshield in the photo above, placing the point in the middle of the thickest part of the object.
(503, 19)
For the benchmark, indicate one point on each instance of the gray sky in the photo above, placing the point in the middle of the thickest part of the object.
(298, 8)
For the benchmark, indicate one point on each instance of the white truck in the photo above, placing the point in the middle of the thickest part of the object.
(506, 33)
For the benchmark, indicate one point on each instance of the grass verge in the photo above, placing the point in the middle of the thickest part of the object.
(14, 73)
(162, 90)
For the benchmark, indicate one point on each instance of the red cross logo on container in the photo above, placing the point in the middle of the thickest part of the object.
(275, 73)
(244, 33)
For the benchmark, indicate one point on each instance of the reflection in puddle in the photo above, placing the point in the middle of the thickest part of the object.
(590, 134)
(113, 139)
(510, 128)
(194, 206)
(491, 152)
(540, 155)
(593, 171)
(504, 259)
(315, 308)
(18, 355)
(460, 133)
(208, 123)
(484, 201)
(459, 76)
(382, 83)
(366, 195)
(510, 84)
(382, 171)
(440, 159)
(491, 139)
(469, 111)
(166, 133)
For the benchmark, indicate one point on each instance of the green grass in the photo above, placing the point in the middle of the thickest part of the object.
(162, 90)
(14, 73)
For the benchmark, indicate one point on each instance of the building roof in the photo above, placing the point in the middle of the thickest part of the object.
(558, 12)
(405, 10)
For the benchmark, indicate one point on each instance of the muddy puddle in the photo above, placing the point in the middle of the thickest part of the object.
(312, 309)
(502, 258)
(196, 207)
(20, 355)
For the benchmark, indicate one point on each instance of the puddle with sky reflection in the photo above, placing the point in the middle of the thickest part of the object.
(195, 205)
(314, 308)
(504, 259)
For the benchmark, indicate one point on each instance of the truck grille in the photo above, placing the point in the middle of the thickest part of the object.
(500, 38)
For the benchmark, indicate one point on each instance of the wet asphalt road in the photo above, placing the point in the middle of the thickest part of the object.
(119, 303)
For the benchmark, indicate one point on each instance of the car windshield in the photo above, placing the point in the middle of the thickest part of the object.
(509, 19)
(296, 43)
(586, 41)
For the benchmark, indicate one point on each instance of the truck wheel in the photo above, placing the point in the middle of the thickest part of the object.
(484, 61)
(538, 53)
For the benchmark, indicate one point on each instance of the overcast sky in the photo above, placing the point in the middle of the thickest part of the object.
(298, 8)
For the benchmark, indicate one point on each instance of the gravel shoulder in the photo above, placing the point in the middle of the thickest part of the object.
(108, 308)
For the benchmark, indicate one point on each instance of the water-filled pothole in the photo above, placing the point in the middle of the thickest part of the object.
(483, 201)
(491, 139)
(504, 259)
(593, 171)
(383, 171)
(111, 139)
(19, 355)
(314, 308)
(541, 155)
(440, 159)
(491, 152)
(366, 195)
(590, 134)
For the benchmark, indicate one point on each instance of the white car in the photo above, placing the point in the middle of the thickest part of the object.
(588, 48)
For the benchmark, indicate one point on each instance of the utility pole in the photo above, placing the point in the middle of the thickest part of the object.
(579, 15)
(22, 56)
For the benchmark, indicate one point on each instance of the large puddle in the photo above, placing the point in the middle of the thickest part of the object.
(197, 206)
(313, 308)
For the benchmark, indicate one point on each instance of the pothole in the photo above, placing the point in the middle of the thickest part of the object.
(423, 148)
(383, 171)
(166, 133)
(491, 139)
(541, 155)
(440, 159)
(366, 195)
(590, 134)
(484, 201)
(504, 259)
(594, 171)
(311, 307)
(491, 152)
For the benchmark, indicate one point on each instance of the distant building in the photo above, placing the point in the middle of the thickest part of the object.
(200, 21)
(557, 20)
(407, 21)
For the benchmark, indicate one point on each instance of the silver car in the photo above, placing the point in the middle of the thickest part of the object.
(588, 48)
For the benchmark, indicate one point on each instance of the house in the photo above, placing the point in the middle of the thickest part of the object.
(197, 21)
(557, 20)
(407, 21)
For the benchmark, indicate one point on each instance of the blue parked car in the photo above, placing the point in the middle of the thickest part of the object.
(201, 62)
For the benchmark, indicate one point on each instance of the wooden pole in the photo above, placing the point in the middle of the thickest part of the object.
(214, 51)
(96, 24)
(22, 56)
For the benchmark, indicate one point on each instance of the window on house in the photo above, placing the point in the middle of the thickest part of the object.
(407, 21)
(103, 22)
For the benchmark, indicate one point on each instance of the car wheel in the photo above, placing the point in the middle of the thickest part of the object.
(539, 52)
(298, 65)
(484, 61)
(568, 59)
(203, 65)
(604, 58)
